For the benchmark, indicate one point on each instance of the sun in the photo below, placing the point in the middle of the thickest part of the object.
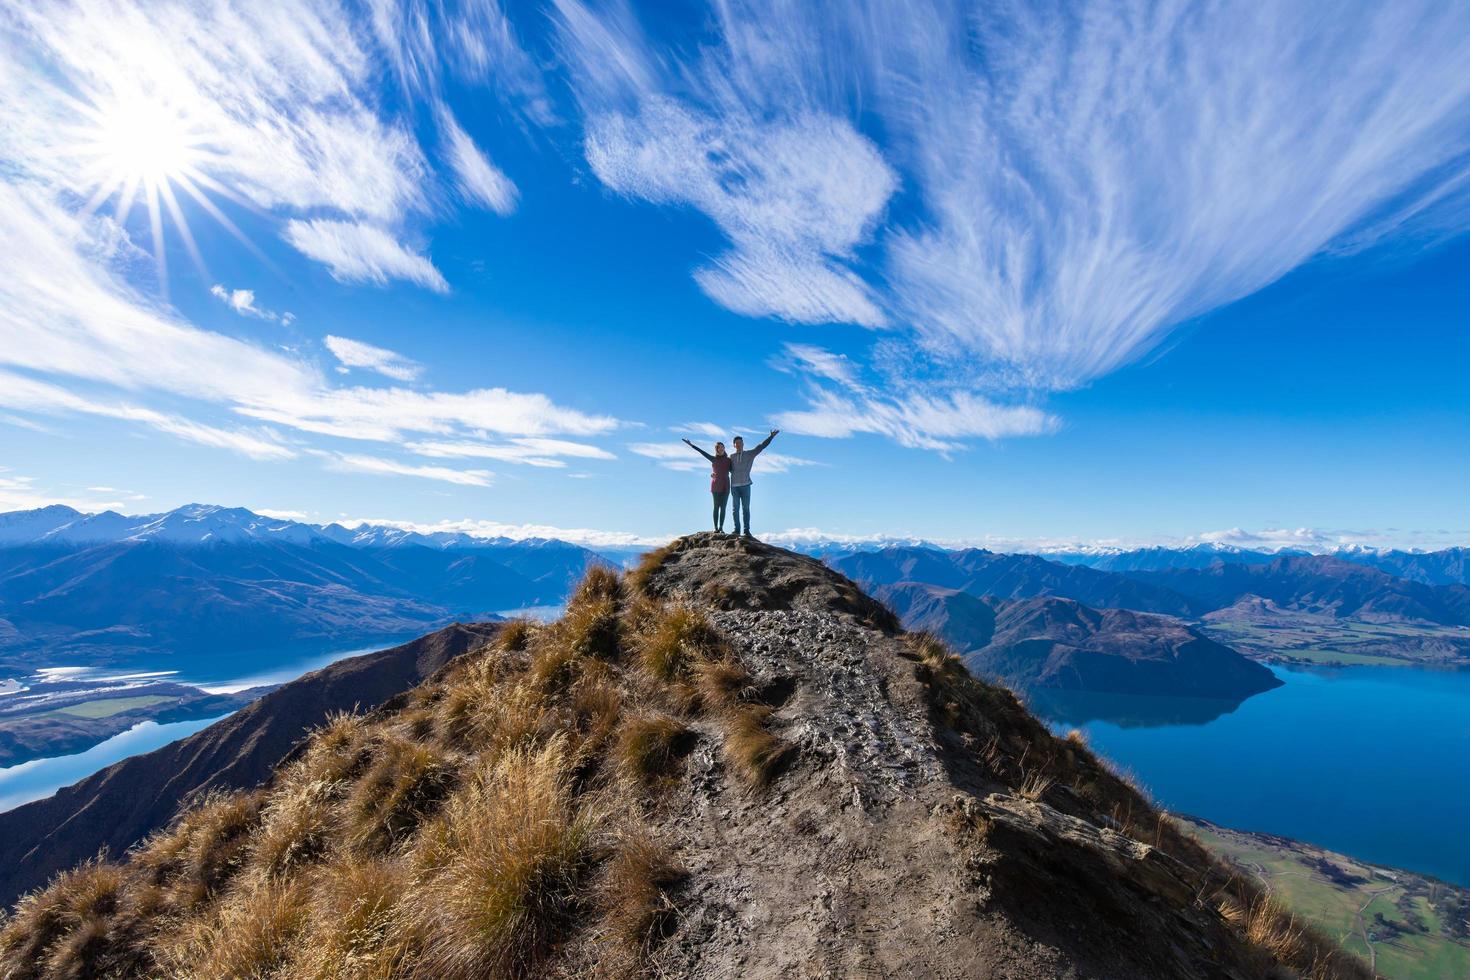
(145, 142)
(132, 144)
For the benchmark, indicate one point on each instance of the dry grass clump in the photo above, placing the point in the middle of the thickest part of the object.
(636, 894)
(63, 928)
(205, 848)
(649, 745)
(677, 639)
(753, 752)
(515, 635)
(638, 579)
(406, 781)
(351, 932)
(506, 863)
(248, 935)
(463, 833)
(723, 685)
(296, 829)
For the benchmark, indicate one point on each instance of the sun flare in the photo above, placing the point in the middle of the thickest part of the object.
(132, 144)
(146, 142)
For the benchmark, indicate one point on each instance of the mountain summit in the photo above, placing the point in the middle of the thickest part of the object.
(730, 763)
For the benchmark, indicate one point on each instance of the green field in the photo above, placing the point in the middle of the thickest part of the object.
(107, 707)
(1408, 927)
(1318, 639)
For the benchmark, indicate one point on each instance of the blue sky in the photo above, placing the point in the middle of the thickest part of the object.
(1006, 274)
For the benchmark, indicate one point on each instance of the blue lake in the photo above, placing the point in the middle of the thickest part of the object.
(237, 671)
(1369, 761)
(39, 778)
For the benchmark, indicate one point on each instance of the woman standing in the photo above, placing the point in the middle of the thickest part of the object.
(719, 480)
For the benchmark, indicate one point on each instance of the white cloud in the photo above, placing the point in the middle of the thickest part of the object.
(242, 301)
(795, 188)
(282, 93)
(840, 404)
(356, 252)
(29, 395)
(356, 354)
(358, 463)
(921, 421)
(20, 492)
(479, 181)
(528, 451)
(707, 429)
(67, 313)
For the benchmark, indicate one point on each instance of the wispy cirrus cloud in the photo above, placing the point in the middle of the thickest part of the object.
(542, 452)
(1079, 179)
(478, 180)
(356, 354)
(936, 417)
(358, 252)
(378, 465)
(242, 301)
(28, 394)
(794, 187)
(69, 319)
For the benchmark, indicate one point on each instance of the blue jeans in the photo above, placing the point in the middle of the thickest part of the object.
(742, 503)
(721, 496)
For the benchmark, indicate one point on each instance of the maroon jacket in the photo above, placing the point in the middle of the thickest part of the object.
(719, 470)
(719, 474)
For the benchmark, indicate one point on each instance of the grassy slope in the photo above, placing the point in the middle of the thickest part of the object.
(1418, 943)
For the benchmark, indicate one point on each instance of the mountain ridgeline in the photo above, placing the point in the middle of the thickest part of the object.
(730, 763)
(1311, 583)
(110, 589)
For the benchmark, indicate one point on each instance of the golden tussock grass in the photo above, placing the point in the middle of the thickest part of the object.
(636, 894)
(675, 640)
(406, 781)
(753, 752)
(648, 746)
(641, 575)
(722, 685)
(515, 635)
(351, 934)
(249, 934)
(62, 925)
(506, 864)
(296, 829)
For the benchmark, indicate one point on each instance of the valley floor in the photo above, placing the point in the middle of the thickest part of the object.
(1405, 925)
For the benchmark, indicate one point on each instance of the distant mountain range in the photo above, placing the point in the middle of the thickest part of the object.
(1450, 566)
(1310, 583)
(105, 588)
(1062, 645)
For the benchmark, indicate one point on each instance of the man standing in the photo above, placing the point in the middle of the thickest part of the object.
(740, 462)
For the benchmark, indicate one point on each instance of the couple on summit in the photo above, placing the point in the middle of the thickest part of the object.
(730, 473)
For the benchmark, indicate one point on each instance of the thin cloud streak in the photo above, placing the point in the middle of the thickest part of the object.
(356, 354)
(358, 252)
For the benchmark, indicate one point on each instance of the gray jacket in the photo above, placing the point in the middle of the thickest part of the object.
(740, 463)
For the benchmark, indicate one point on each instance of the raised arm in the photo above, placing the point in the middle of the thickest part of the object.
(765, 442)
(701, 451)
